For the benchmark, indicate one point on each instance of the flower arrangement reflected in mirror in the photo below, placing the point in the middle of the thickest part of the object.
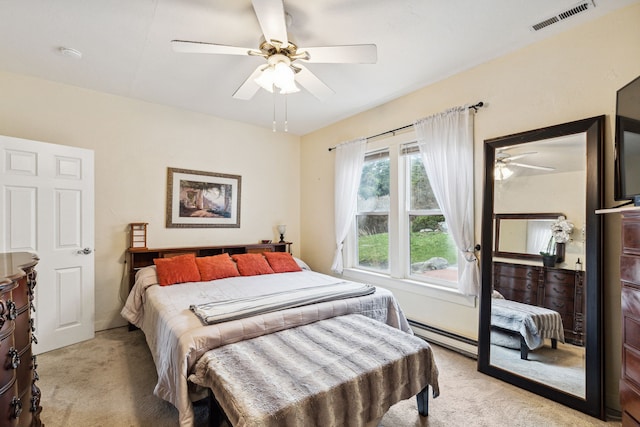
(561, 231)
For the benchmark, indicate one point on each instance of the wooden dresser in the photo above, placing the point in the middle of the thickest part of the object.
(630, 298)
(558, 289)
(19, 394)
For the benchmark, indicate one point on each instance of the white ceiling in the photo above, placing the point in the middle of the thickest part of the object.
(126, 51)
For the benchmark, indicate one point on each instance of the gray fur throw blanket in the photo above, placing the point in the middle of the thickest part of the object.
(345, 371)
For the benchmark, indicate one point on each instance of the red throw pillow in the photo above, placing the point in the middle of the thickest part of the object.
(177, 269)
(216, 267)
(252, 264)
(282, 262)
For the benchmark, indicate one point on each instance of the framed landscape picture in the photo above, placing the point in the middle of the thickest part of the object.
(197, 199)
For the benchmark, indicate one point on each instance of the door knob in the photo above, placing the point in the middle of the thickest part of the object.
(85, 251)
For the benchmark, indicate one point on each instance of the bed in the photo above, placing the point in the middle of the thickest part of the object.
(523, 326)
(178, 336)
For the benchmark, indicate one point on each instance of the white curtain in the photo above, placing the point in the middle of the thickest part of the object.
(446, 147)
(349, 161)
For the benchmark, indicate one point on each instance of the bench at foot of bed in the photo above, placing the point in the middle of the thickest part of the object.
(347, 370)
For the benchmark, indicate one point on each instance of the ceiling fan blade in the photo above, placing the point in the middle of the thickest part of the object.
(272, 21)
(249, 87)
(349, 54)
(524, 165)
(519, 156)
(313, 84)
(201, 47)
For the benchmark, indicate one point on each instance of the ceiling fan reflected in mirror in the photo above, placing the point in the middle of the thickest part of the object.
(282, 72)
(504, 160)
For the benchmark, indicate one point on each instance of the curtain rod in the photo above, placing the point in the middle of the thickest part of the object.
(393, 131)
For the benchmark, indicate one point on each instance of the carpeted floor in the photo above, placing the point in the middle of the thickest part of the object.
(563, 368)
(108, 381)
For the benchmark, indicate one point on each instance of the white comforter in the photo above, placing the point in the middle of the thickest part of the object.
(177, 337)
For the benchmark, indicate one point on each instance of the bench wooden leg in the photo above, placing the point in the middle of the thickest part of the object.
(423, 401)
(524, 349)
(216, 414)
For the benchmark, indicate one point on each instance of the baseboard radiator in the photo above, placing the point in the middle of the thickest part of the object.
(458, 343)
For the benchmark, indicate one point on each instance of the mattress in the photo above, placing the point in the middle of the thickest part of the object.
(177, 338)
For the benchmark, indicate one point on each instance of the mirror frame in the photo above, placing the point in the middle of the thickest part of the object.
(593, 403)
(520, 255)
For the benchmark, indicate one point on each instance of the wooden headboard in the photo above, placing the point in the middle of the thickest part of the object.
(138, 258)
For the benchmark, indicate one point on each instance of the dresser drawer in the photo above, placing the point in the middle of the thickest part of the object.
(568, 323)
(630, 400)
(524, 296)
(559, 290)
(20, 295)
(564, 306)
(631, 366)
(22, 335)
(516, 271)
(630, 302)
(631, 332)
(630, 269)
(8, 395)
(631, 235)
(7, 349)
(24, 374)
(560, 277)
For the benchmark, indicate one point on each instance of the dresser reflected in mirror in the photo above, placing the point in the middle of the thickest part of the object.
(540, 308)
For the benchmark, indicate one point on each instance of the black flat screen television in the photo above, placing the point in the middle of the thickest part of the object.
(627, 145)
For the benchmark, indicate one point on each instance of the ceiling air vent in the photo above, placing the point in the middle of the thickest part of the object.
(572, 11)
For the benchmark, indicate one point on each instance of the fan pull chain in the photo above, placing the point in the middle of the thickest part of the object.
(274, 110)
(286, 122)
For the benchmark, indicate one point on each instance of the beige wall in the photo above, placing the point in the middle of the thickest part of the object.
(568, 77)
(538, 194)
(134, 143)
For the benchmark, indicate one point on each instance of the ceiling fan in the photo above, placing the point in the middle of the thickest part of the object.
(504, 160)
(280, 53)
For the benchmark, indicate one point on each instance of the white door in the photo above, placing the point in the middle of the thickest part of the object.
(47, 207)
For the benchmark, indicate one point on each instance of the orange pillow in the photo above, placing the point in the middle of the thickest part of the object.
(282, 262)
(177, 269)
(252, 264)
(216, 267)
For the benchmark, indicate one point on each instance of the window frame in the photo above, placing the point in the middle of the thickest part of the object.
(399, 268)
(354, 227)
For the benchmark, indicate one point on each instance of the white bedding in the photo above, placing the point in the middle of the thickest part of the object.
(177, 338)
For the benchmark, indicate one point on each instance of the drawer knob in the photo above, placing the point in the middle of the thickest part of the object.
(12, 311)
(16, 407)
(14, 358)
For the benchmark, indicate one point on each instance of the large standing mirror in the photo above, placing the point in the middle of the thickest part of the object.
(541, 299)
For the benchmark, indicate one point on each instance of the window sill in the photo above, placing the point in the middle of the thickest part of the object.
(429, 290)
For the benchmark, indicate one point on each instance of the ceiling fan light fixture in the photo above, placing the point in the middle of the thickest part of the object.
(283, 75)
(501, 172)
(265, 79)
(278, 73)
(292, 88)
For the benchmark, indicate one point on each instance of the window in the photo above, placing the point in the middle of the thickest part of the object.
(399, 227)
(372, 218)
(432, 251)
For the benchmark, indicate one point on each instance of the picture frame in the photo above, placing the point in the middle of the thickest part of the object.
(197, 199)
